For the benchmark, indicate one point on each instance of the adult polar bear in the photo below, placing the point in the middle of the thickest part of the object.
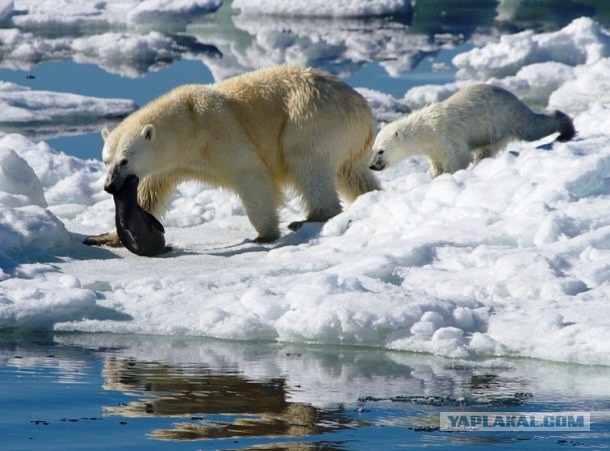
(254, 134)
(472, 124)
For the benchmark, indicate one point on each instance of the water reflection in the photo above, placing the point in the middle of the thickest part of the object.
(194, 392)
(39, 355)
(230, 42)
(185, 389)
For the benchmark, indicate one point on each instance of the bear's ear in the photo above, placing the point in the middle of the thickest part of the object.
(105, 133)
(148, 132)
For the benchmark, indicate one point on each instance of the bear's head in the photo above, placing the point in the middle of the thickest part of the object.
(128, 150)
(389, 145)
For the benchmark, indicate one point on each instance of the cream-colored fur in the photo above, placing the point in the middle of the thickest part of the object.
(254, 133)
(474, 123)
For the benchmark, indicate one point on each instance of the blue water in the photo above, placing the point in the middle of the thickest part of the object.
(63, 392)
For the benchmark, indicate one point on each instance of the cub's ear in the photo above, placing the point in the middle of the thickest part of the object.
(105, 133)
(148, 132)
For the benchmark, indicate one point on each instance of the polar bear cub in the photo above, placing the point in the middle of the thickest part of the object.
(472, 124)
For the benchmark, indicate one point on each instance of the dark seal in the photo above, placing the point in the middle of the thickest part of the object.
(138, 230)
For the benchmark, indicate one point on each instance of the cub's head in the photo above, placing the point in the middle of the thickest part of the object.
(389, 146)
(127, 151)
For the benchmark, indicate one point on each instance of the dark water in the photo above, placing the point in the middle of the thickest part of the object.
(62, 392)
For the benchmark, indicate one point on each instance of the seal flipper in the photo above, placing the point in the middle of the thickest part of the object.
(130, 241)
(154, 222)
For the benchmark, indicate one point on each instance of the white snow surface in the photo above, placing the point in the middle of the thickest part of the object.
(508, 258)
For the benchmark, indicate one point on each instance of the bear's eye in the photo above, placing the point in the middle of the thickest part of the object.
(123, 162)
(380, 152)
(396, 134)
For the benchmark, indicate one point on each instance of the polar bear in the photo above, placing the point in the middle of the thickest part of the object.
(255, 134)
(472, 124)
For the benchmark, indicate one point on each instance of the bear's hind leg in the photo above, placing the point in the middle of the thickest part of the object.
(316, 184)
(480, 153)
(354, 180)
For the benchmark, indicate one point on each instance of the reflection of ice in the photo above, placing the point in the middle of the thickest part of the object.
(327, 376)
(116, 36)
(131, 55)
(60, 365)
(338, 46)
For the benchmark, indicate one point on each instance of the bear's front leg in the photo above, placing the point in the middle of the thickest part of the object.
(105, 239)
(261, 199)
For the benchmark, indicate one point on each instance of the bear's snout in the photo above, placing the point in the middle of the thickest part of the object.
(378, 162)
(113, 186)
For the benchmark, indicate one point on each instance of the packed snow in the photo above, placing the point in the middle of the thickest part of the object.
(508, 258)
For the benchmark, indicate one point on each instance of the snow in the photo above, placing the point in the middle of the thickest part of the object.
(508, 258)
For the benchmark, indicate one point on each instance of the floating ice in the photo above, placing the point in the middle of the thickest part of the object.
(581, 42)
(41, 113)
(508, 258)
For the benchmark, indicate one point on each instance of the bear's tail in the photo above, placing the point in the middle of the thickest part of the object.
(566, 127)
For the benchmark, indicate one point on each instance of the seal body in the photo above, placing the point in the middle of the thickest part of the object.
(138, 230)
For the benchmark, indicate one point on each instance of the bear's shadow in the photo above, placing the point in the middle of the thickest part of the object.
(304, 234)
